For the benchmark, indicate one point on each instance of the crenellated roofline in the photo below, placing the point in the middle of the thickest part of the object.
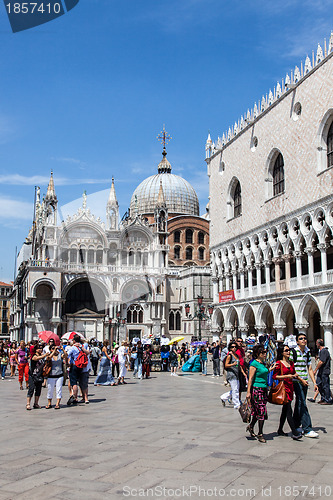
(267, 102)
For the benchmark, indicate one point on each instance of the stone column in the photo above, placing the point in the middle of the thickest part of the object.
(29, 333)
(260, 329)
(234, 281)
(227, 277)
(215, 290)
(243, 331)
(249, 271)
(279, 332)
(298, 256)
(220, 285)
(302, 328)
(228, 333)
(242, 283)
(258, 272)
(268, 275)
(287, 259)
(54, 308)
(328, 335)
(310, 252)
(276, 262)
(323, 255)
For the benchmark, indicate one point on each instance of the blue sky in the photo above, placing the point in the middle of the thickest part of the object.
(86, 94)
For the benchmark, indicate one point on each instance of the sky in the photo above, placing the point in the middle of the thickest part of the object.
(86, 94)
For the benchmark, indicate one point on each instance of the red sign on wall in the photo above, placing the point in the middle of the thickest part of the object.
(226, 296)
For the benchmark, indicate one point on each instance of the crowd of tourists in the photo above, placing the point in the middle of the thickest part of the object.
(249, 368)
(254, 370)
(40, 364)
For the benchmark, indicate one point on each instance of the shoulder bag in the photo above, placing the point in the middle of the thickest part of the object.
(277, 394)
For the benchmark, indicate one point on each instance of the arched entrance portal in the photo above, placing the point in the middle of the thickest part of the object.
(43, 307)
(84, 309)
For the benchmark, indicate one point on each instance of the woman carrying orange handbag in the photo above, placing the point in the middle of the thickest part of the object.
(284, 370)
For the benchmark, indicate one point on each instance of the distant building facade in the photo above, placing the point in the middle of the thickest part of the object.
(114, 280)
(271, 209)
(5, 292)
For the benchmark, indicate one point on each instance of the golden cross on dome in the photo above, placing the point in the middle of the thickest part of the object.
(164, 138)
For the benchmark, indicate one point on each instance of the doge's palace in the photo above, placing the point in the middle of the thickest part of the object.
(271, 208)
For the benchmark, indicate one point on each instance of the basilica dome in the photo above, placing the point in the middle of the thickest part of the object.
(179, 195)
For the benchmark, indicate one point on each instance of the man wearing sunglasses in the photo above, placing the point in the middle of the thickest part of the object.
(302, 360)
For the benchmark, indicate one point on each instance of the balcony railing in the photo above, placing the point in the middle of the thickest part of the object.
(96, 268)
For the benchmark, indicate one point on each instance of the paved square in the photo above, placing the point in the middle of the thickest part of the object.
(170, 434)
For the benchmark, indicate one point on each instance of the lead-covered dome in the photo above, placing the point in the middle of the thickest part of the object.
(179, 195)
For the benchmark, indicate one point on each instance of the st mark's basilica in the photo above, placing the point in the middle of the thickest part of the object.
(113, 279)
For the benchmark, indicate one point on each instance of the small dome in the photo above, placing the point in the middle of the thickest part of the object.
(180, 197)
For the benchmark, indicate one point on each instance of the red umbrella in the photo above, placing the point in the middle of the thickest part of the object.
(70, 335)
(46, 335)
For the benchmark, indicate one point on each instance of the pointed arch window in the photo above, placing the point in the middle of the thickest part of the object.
(330, 146)
(237, 200)
(278, 175)
(171, 321)
(178, 322)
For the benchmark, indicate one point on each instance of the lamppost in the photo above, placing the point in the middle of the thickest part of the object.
(119, 321)
(199, 313)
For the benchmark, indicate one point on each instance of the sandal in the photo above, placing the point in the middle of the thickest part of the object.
(251, 431)
(57, 407)
(261, 438)
(36, 406)
(47, 407)
(28, 407)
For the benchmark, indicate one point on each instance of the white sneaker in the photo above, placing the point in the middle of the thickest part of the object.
(176, 374)
(213, 376)
(311, 434)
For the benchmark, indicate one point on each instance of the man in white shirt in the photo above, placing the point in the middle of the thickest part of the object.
(122, 356)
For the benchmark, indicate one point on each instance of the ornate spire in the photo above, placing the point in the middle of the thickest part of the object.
(112, 209)
(161, 197)
(84, 200)
(50, 194)
(112, 201)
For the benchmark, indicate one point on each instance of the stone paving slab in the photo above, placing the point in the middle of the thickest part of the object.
(166, 432)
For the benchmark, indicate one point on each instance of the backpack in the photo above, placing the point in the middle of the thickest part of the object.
(294, 353)
(224, 356)
(225, 359)
(82, 359)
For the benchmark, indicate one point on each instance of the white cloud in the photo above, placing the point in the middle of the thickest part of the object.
(14, 209)
(40, 180)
